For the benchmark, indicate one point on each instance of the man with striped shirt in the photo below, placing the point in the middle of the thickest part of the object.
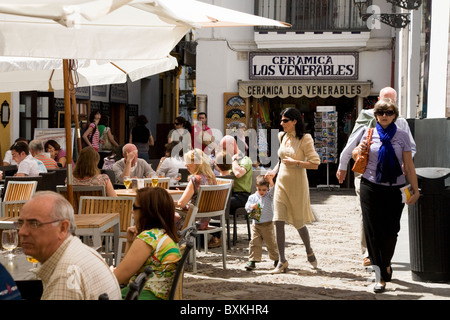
(37, 151)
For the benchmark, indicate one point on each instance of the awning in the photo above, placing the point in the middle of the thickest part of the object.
(297, 89)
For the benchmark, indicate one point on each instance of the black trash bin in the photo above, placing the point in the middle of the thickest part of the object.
(429, 227)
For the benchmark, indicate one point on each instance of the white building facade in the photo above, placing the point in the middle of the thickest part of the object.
(330, 57)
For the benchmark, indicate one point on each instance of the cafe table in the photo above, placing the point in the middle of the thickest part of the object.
(95, 224)
(176, 194)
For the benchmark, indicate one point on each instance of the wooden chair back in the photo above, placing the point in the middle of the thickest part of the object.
(212, 201)
(224, 180)
(79, 191)
(162, 182)
(11, 209)
(122, 205)
(20, 190)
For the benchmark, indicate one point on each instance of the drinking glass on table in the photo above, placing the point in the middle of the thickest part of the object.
(127, 182)
(154, 180)
(9, 241)
(178, 178)
(34, 262)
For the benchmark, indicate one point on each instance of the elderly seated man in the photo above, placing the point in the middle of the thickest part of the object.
(131, 166)
(37, 151)
(70, 270)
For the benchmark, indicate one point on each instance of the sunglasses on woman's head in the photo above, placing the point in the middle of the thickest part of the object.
(285, 120)
(387, 113)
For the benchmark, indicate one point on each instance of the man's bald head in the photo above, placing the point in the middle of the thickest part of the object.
(129, 147)
(388, 93)
(229, 144)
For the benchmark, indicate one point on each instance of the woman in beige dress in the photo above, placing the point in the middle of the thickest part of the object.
(291, 198)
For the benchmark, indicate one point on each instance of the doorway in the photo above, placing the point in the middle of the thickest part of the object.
(35, 110)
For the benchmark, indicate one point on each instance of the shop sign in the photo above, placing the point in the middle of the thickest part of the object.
(282, 89)
(303, 66)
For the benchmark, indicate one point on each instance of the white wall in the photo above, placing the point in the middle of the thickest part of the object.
(219, 68)
(376, 66)
(437, 85)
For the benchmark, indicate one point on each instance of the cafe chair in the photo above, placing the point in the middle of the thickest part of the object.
(186, 245)
(136, 286)
(11, 209)
(211, 203)
(111, 175)
(242, 212)
(162, 182)
(9, 170)
(48, 181)
(222, 180)
(20, 189)
(61, 175)
(100, 204)
(79, 191)
(184, 174)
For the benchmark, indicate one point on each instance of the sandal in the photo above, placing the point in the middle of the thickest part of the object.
(281, 267)
(312, 260)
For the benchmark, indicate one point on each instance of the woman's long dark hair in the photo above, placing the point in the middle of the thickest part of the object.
(157, 211)
(295, 114)
(185, 123)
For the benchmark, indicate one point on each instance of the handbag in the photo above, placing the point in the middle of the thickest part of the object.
(363, 158)
(107, 146)
(279, 160)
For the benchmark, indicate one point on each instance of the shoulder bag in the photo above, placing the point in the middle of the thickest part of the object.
(279, 159)
(363, 158)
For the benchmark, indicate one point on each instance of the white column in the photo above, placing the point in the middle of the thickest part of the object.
(437, 83)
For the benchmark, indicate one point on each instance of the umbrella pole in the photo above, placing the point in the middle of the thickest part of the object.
(75, 117)
(67, 126)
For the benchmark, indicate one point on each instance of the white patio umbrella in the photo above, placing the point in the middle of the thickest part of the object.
(106, 30)
(24, 74)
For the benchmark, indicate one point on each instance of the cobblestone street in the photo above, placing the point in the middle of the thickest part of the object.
(340, 274)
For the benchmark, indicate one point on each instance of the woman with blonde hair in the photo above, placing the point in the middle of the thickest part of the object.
(199, 166)
(87, 173)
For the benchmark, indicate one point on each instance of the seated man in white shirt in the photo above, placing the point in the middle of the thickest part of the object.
(7, 159)
(27, 165)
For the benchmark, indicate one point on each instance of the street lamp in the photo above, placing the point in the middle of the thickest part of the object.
(396, 20)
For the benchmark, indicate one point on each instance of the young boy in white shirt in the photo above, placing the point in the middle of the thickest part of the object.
(262, 228)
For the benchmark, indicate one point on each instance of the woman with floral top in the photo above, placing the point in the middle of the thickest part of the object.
(152, 241)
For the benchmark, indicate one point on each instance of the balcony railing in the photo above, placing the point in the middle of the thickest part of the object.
(312, 15)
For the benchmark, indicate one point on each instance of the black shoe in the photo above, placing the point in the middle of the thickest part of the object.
(250, 266)
(389, 275)
(275, 263)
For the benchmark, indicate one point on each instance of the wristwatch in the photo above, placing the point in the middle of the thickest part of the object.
(298, 164)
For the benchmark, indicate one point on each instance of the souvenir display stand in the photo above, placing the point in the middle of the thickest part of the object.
(325, 139)
(235, 111)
